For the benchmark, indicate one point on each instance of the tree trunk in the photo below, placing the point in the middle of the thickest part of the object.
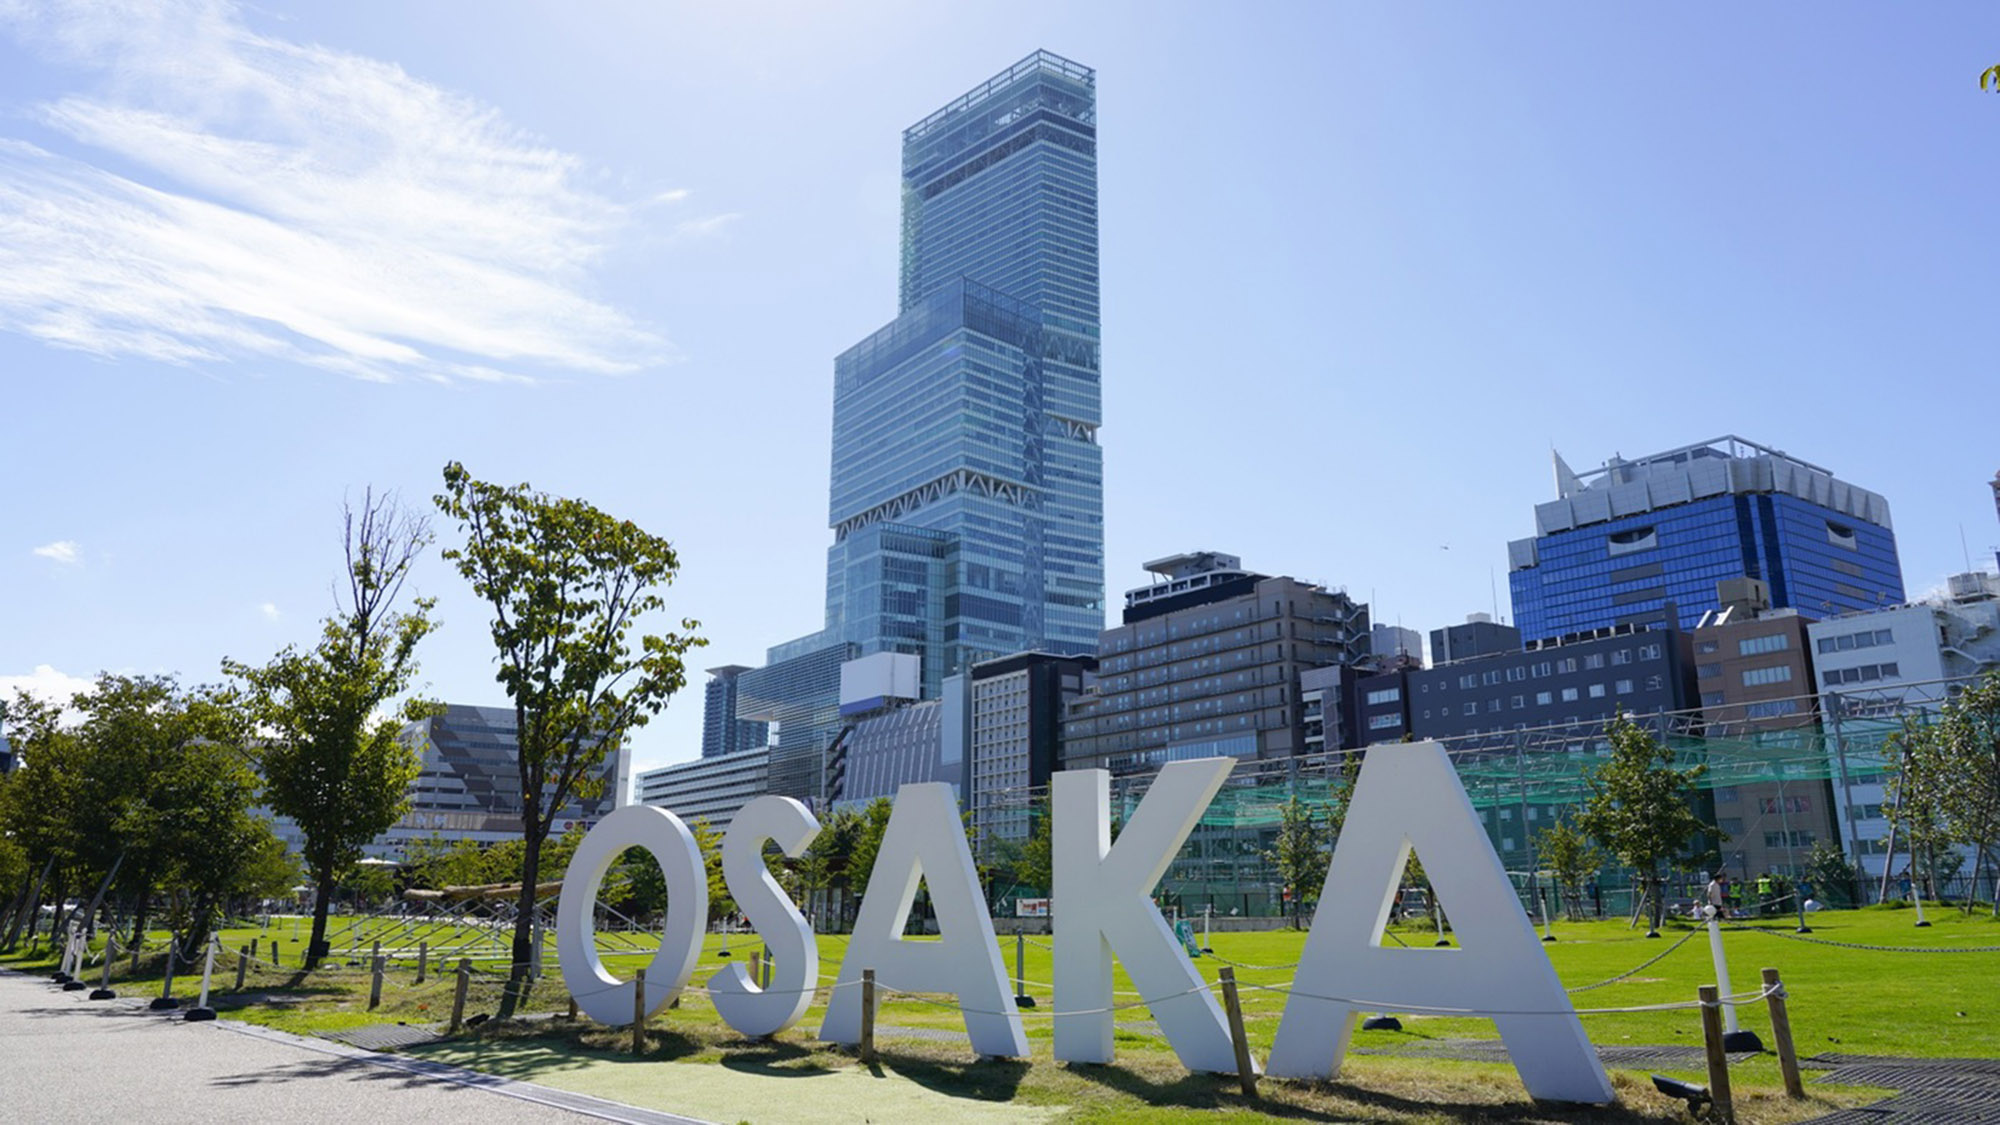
(322, 903)
(29, 909)
(140, 899)
(525, 953)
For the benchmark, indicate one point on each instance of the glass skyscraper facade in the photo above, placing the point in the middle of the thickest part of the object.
(967, 499)
(722, 732)
(1645, 541)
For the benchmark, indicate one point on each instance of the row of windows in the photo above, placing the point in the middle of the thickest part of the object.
(1866, 638)
(1862, 674)
(1776, 674)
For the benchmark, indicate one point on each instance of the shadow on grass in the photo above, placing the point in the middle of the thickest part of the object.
(773, 1058)
(986, 1080)
(1290, 1100)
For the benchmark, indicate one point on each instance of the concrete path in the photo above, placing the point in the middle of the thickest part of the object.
(66, 1058)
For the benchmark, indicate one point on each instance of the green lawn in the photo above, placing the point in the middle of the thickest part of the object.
(1856, 1001)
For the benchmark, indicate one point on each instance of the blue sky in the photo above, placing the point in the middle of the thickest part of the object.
(1363, 266)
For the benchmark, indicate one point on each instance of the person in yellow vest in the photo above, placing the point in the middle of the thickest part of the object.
(1764, 904)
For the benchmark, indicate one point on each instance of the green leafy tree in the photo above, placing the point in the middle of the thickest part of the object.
(1948, 790)
(1569, 856)
(1300, 853)
(566, 583)
(1835, 880)
(828, 861)
(331, 758)
(1924, 773)
(867, 845)
(1640, 807)
(1036, 867)
(709, 843)
(434, 863)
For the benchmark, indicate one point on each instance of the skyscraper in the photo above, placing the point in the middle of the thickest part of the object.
(967, 486)
(721, 731)
(1645, 541)
(967, 500)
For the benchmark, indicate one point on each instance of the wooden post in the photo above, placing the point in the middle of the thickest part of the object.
(375, 954)
(1246, 1071)
(423, 958)
(253, 947)
(458, 995)
(243, 955)
(274, 953)
(757, 969)
(639, 1012)
(1781, 1030)
(375, 985)
(1718, 1061)
(868, 1016)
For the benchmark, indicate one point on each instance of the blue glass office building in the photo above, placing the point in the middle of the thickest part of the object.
(967, 487)
(1645, 541)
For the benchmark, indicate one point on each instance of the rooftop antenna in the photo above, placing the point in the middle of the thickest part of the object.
(1963, 547)
(1493, 588)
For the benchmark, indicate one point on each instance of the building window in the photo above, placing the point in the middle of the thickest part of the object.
(1777, 674)
(1385, 695)
(1707, 671)
(1725, 794)
(1543, 699)
(1384, 722)
(1621, 656)
(1520, 701)
(1597, 691)
(1622, 687)
(1493, 705)
(1593, 661)
(1472, 708)
(1566, 665)
(1569, 695)
(1649, 652)
(1861, 674)
(1753, 646)
(1703, 648)
(1866, 638)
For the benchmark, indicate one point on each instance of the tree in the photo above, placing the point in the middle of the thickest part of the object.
(1300, 853)
(1916, 806)
(1640, 807)
(1570, 858)
(867, 844)
(331, 759)
(1989, 79)
(1834, 879)
(1948, 790)
(1036, 867)
(566, 584)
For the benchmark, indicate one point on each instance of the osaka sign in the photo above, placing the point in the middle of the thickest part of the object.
(1407, 798)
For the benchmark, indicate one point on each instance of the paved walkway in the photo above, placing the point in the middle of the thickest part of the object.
(66, 1058)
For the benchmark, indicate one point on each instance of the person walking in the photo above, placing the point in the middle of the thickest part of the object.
(1718, 894)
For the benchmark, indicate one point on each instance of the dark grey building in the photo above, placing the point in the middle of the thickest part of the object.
(1479, 636)
(722, 732)
(1586, 677)
(1207, 663)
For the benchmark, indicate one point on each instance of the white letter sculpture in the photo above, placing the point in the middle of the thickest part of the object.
(1101, 903)
(601, 996)
(925, 840)
(1409, 796)
(751, 1010)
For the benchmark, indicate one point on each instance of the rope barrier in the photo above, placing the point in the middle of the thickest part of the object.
(1647, 964)
(1775, 932)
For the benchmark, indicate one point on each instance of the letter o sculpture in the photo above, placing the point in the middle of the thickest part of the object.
(598, 994)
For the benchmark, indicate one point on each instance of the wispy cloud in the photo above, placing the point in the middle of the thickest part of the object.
(270, 611)
(62, 550)
(226, 195)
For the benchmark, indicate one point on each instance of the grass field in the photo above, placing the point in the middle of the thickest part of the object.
(1905, 997)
